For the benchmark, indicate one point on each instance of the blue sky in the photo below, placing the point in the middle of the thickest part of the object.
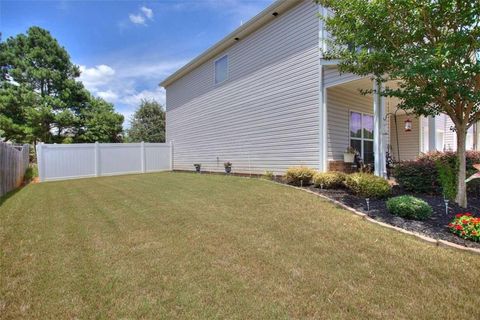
(125, 48)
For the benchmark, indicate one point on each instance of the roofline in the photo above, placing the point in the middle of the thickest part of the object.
(258, 21)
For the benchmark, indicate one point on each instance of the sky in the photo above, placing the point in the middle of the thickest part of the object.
(126, 48)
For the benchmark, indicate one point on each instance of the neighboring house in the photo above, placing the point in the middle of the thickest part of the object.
(264, 99)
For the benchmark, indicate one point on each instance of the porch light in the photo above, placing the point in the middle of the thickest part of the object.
(408, 125)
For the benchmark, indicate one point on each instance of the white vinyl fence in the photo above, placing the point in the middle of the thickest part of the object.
(70, 161)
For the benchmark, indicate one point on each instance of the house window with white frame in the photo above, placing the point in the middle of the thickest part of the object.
(221, 69)
(361, 135)
(440, 140)
(469, 139)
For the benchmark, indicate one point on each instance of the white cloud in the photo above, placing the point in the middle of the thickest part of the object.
(96, 76)
(147, 12)
(133, 100)
(141, 17)
(108, 95)
(127, 82)
(137, 19)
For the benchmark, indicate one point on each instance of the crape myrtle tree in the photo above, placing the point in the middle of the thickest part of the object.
(41, 100)
(148, 123)
(429, 48)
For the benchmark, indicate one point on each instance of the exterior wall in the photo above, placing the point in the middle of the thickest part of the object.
(265, 116)
(444, 124)
(332, 77)
(409, 141)
(340, 102)
(450, 141)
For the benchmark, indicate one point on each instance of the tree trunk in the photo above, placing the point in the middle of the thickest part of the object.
(461, 199)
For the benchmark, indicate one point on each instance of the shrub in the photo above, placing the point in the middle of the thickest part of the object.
(329, 180)
(31, 173)
(409, 207)
(422, 176)
(367, 185)
(447, 176)
(466, 226)
(417, 176)
(299, 176)
(268, 175)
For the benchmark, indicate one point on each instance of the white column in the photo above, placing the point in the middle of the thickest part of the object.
(432, 136)
(323, 128)
(378, 130)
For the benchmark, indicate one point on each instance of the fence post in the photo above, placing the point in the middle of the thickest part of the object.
(171, 155)
(97, 159)
(142, 156)
(40, 162)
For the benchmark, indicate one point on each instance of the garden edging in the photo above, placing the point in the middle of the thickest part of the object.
(424, 238)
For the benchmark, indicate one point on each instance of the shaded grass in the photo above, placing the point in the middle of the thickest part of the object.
(177, 245)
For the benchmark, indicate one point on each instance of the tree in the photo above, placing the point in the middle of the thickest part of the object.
(428, 48)
(40, 98)
(148, 123)
(100, 122)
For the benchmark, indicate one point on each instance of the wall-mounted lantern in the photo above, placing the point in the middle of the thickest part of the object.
(408, 125)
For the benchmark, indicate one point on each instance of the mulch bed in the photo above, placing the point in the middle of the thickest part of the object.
(434, 227)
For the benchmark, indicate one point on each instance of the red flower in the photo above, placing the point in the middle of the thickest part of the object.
(464, 221)
(463, 233)
(474, 233)
(458, 215)
(468, 214)
(458, 227)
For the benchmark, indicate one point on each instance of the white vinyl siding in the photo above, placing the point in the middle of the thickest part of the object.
(340, 102)
(332, 77)
(265, 116)
(221, 70)
(409, 141)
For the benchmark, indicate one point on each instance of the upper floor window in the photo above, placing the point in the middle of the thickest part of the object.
(221, 69)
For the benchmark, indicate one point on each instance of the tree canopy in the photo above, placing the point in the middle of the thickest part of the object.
(428, 48)
(40, 98)
(148, 123)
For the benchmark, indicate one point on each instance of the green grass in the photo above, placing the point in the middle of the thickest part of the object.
(176, 245)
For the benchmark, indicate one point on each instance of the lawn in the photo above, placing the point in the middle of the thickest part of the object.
(179, 245)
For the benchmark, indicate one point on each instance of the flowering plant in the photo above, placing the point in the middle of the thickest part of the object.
(465, 225)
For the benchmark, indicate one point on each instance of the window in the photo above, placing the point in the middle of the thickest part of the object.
(469, 139)
(439, 140)
(361, 135)
(221, 69)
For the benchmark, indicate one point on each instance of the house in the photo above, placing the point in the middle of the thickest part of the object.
(264, 99)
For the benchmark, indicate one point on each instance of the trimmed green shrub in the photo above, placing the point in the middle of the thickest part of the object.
(422, 176)
(409, 207)
(299, 176)
(329, 180)
(418, 176)
(367, 185)
(447, 176)
(466, 226)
